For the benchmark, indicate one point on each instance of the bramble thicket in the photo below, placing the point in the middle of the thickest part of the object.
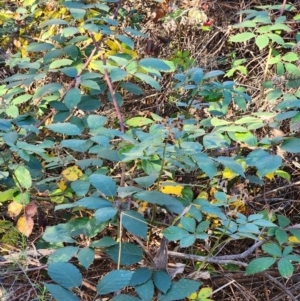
(149, 150)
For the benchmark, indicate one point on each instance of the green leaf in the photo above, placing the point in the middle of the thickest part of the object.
(86, 257)
(295, 232)
(7, 194)
(206, 164)
(104, 242)
(77, 145)
(47, 89)
(148, 80)
(231, 164)
(80, 187)
(180, 290)
(155, 197)
(283, 221)
(285, 267)
(60, 294)
(262, 41)
(95, 121)
(126, 40)
(263, 161)
(162, 281)
(145, 290)
(259, 265)
(69, 31)
(54, 22)
(63, 254)
(187, 241)
(291, 145)
(117, 74)
(60, 63)
(188, 224)
(154, 63)
(280, 26)
(58, 233)
(283, 174)
(140, 276)
(281, 236)
(217, 122)
(242, 37)
(65, 274)
(214, 140)
(21, 99)
(288, 250)
(104, 184)
(64, 128)
(276, 38)
(130, 253)
(88, 203)
(135, 32)
(114, 281)
(132, 88)
(23, 177)
(273, 249)
(174, 233)
(135, 223)
(105, 214)
(290, 57)
(72, 98)
(77, 13)
(295, 123)
(90, 84)
(5, 125)
(37, 47)
(138, 121)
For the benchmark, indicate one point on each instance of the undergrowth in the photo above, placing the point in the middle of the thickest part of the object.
(125, 186)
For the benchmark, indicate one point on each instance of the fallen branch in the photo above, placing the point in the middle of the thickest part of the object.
(225, 259)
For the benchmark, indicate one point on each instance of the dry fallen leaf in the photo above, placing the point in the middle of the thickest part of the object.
(14, 209)
(31, 209)
(25, 225)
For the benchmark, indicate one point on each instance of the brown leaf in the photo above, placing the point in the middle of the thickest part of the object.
(25, 225)
(31, 209)
(14, 209)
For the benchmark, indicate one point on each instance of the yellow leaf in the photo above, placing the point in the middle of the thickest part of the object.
(72, 173)
(202, 195)
(25, 225)
(193, 296)
(142, 207)
(14, 209)
(17, 43)
(62, 185)
(205, 293)
(239, 205)
(113, 45)
(170, 187)
(270, 176)
(97, 36)
(294, 240)
(228, 174)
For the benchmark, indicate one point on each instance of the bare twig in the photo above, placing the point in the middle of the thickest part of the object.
(226, 259)
(276, 189)
(283, 287)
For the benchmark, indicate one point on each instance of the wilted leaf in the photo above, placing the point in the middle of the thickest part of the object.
(31, 209)
(14, 209)
(25, 225)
